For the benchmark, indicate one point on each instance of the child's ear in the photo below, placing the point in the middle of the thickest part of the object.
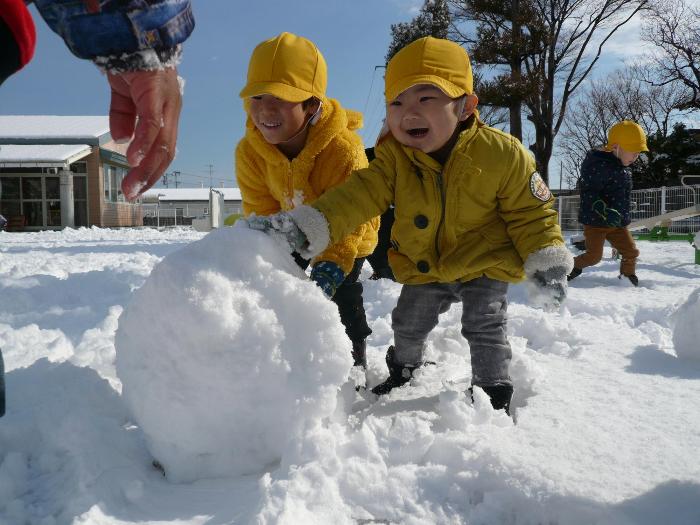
(315, 111)
(470, 104)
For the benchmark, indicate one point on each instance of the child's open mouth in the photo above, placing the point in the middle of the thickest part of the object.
(418, 132)
(271, 125)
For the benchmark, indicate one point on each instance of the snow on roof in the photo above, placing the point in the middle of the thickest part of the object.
(190, 194)
(52, 127)
(16, 155)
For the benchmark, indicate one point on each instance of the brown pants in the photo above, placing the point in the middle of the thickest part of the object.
(619, 238)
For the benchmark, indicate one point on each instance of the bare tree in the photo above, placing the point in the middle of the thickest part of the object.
(621, 95)
(576, 33)
(498, 35)
(673, 26)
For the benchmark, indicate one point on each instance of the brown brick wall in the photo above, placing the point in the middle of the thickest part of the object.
(108, 214)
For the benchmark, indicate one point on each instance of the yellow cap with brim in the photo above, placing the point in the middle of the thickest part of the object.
(429, 60)
(629, 136)
(288, 67)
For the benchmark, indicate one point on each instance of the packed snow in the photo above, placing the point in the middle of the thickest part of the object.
(232, 371)
(220, 378)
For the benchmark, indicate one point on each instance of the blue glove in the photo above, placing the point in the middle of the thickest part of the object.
(328, 276)
(280, 227)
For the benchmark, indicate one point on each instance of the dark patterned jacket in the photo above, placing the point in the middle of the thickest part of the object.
(606, 190)
(121, 35)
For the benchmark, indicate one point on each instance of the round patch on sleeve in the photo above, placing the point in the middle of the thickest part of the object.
(538, 188)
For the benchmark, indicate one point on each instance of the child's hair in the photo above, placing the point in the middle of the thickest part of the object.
(288, 67)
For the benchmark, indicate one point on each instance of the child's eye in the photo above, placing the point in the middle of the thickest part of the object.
(394, 103)
(426, 98)
(257, 97)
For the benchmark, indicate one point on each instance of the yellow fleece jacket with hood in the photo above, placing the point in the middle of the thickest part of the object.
(269, 182)
(482, 213)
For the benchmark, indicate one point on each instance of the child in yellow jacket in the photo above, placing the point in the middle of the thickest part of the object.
(298, 144)
(472, 215)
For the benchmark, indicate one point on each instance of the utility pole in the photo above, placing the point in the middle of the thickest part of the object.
(211, 170)
(176, 174)
(165, 180)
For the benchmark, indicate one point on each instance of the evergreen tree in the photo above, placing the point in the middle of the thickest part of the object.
(669, 158)
(506, 33)
(433, 20)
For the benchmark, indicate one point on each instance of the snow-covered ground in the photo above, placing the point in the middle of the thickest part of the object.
(606, 431)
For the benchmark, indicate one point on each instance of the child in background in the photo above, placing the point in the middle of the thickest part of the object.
(472, 215)
(298, 144)
(606, 191)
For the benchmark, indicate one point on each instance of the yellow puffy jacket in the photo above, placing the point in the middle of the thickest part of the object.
(482, 213)
(269, 182)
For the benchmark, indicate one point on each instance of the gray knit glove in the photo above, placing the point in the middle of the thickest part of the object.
(552, 283)
(546, 270)
(281, 227)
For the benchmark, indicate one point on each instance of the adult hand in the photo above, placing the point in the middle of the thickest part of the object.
(146, 106)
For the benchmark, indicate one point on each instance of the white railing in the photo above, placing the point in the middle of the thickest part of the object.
(645, 203)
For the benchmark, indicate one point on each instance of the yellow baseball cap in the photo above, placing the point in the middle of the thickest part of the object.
(629, 135)
(430, 60)
(289, 67)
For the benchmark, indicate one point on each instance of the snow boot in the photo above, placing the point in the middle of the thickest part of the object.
(399, 375)
(500, 395)
(632, 277)
(359, 353)
(574, 273)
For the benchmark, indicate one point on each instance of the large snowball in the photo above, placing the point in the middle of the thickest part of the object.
(686, 333)
(226, 352)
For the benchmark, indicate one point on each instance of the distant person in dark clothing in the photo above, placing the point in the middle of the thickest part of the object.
(606, 190)
(378, 259)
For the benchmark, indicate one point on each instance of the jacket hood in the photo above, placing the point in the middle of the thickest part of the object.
(333, 120)
(607, 157)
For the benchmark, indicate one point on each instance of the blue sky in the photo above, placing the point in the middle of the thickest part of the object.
(352, 35)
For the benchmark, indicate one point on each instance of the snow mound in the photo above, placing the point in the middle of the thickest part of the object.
(686, 332)
(226, 353)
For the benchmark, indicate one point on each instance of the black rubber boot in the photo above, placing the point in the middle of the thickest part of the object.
(632, 277)
(359, 353)
(500, 395)
(399, 375)
(574, 273)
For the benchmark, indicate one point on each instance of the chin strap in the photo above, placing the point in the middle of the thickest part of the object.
(310, 122)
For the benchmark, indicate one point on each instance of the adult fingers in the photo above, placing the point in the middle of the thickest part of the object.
(122, 111)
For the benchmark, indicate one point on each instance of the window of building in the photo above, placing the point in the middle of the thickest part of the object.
(80, 213)
(32, 201)
(113, 177)
(79, 167)
(10, 203)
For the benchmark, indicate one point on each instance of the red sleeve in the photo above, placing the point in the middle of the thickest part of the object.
(17, 18)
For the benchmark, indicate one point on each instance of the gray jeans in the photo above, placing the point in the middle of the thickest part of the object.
(484, 317)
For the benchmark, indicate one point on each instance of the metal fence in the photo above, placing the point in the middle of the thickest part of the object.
(165, 217)
(645, 204)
